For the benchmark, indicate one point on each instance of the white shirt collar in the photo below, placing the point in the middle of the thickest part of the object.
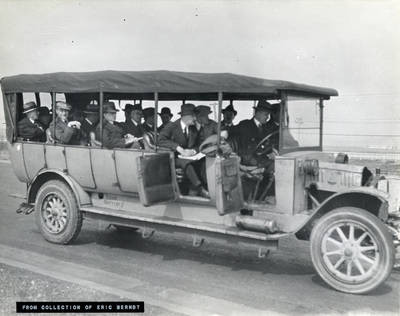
(183, 126)
(134, 122)
(88, 121)
(33, 122)
(258, 124)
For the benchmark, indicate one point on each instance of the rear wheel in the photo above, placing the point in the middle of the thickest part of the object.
(352, 250)
(57, 214)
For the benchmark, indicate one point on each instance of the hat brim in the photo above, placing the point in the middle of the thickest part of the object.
(30, 110)
(234, 111)
(187, 113)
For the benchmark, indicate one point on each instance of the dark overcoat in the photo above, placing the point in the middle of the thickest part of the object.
(248, 135)
(130, 128)
(113, 135)
(171, 136)
(31, 131)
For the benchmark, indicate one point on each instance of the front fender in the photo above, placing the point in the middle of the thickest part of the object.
(366, 198)
(83, 198)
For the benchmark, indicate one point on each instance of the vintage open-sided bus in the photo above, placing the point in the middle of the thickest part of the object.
(352, 227)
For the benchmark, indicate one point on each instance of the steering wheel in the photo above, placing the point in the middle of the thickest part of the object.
(265, 146)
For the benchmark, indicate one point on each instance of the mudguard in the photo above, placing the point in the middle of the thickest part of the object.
(83, 198)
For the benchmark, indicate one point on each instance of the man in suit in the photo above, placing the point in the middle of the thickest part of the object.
(29, 127)
(148, 115)
(63, 131)
(134, 125)
(229, 114)
(166, 117)
(181, 136)
(113, 135)
(248, 134)
(207, 127)
(89, 123)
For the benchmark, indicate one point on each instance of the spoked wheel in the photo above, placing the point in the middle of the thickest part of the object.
(57, 213)
(352, 250)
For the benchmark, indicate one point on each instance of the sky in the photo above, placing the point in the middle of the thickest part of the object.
(352, 46)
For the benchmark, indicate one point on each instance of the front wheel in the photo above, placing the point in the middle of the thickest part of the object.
(352, 250)
(57, 214)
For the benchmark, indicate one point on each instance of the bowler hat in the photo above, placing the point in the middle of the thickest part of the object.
(230, 108)
(109, 107)
(91, 108)
(264, 106)
(148, 112)
(203, 109)
(166, 111)
(128, 107)
(187, 109)
(63, 105)
(30, 106)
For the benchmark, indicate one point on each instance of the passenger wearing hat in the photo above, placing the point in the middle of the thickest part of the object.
(181, 136)
(64, 132)
(29, 128)
(166, 117)
(229, 114)
(148, 115)
(89, 122)
(113, 135)
(134, 125)
(207, 127)
(45, 116)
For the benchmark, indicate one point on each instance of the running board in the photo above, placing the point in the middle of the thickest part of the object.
(173, 225)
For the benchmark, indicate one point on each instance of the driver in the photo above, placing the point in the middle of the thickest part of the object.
(249, 133)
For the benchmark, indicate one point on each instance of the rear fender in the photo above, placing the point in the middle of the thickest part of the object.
(43, 176)
(366, 198)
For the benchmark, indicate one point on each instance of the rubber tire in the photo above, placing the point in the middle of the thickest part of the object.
(74, 217)
(375, 227)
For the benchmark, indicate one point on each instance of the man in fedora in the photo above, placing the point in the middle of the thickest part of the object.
(29, 127)
(63, 131)
(113, 135)
(248, 134)
(166, 117)
(134, 125)
(181, 136)
(207, 127)
(89, 122)
(148, 115)
(229, 114)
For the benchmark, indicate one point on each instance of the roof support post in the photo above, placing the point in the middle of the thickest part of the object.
(321, 121)
(101, 99)
(282, 118)
(155, 119)
(220, 98)
(53, 106)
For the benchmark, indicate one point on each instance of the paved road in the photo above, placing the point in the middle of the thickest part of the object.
(171, 276)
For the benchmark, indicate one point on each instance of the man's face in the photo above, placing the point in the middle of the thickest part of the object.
(262, 116)
(33, 115)
(150, 120)
(202, 118)
(127, 115)
(228, 116)
(165, 118)
(110, 117)
(136, 115)
(62, 114)
(188, 119)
